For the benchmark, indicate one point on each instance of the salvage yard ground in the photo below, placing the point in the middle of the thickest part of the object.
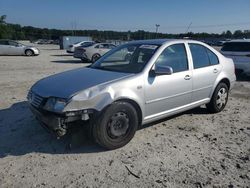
(192, 149)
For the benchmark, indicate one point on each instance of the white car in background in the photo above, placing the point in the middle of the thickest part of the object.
(93, 52)
(10, 47)
(239, 51)
(71, 48)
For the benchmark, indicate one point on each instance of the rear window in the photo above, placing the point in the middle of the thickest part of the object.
(236, 46)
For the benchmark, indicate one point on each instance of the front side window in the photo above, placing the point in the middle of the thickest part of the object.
(174, 56)
(12, 43)
(199, 55)
(111, 46)
(128, 58)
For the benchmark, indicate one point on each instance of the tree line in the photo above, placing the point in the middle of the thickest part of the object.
(18, 32)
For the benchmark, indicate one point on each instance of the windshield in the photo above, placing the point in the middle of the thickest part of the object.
(128, 58)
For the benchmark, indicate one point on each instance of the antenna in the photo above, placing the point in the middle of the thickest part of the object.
(156, 31)
(188, 27)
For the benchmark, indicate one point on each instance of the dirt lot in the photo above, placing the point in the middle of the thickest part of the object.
(193, 149)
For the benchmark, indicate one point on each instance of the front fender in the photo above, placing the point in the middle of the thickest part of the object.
(101, 99)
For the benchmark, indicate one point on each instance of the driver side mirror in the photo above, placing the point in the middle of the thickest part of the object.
(162, 70)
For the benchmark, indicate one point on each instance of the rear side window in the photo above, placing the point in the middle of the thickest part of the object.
(236, 47)
(174, 56)
(199, 55)
(212, 58)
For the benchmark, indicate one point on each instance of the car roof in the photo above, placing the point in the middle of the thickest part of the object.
(103, 43)
(239, 40)
(161, 41)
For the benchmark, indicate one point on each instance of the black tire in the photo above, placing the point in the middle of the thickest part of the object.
(219, 98)
(116, 125)
(95, 57)
(29, 53)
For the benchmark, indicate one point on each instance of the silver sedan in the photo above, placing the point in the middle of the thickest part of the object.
(132, 85)
(9, 47)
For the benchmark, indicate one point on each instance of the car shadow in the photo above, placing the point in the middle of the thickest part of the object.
(62, 55)
(21, 133)
(68, 61)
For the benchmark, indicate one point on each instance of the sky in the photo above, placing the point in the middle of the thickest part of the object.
(173, 16)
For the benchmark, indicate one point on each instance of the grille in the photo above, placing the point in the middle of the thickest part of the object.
(35, 99)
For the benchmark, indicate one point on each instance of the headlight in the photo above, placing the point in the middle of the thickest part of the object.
(55, 104)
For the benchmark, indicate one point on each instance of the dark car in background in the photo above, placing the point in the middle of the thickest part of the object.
(239, 51)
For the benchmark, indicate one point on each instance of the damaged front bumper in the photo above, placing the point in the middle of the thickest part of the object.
(58, 123)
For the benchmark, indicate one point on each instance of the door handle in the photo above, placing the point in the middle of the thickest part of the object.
(215, 70)
(187, 77)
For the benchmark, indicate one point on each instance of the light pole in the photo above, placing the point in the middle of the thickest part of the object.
(156, 31)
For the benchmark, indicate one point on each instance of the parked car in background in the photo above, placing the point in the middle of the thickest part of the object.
(83, 44)
(239, 51)
(10, 47)
(120, 92)
(43, 41)
(93, 52)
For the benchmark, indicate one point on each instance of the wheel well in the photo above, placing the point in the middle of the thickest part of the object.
(96, 54)
(226, 81)
(29, 50)
(136, 106)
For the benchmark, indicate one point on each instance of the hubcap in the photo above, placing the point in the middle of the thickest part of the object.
(28, 53)
(221, 98)
(118, 124)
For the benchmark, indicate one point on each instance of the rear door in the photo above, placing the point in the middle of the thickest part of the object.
(206, 69)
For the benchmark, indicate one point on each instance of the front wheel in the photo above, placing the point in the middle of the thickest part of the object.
(116, 126)
(29, 53)
(219, 98)
(95, 57)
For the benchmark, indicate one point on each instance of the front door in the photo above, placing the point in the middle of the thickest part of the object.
(15, 49)
(167, 93)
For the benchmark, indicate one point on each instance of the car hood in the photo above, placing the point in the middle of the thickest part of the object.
(67, 84)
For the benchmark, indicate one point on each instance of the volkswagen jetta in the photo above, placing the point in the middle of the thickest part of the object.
(134, 84)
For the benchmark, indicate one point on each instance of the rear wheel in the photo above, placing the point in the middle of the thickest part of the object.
(116, 125)
(95, 57)
(219, 98)
(29, 53)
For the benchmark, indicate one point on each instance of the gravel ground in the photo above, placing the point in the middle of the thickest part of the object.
(192, 149)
